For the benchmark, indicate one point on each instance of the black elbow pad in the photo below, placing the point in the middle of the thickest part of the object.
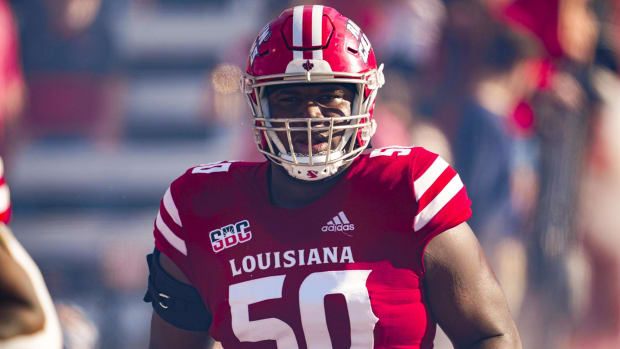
(178, 303)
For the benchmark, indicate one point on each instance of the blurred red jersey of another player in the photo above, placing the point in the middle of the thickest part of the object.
(344, 270)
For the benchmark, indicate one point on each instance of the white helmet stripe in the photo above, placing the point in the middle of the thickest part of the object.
(298, 17)
(317, 30)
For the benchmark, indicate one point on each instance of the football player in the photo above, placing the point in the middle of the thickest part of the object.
(329, 243)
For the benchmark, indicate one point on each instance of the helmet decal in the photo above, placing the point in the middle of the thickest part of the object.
(363, 43)
(308, 65)
(262, 37)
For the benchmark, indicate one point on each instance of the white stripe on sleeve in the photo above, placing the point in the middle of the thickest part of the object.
(429, 177)
(5, 198)
(171, 208)
(448, 192)
(317, 30)
(298, 19)
(174, 240)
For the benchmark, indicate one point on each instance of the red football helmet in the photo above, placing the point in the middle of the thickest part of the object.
(309, 45)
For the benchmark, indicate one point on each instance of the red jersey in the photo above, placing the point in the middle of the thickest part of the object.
(343, 271)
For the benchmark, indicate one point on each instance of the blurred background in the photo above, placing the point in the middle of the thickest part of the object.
(104, 102)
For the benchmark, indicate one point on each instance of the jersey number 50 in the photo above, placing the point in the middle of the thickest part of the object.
(349, 283)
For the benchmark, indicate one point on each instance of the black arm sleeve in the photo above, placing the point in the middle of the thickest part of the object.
(178, 303)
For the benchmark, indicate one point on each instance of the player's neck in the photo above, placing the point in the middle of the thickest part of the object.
(288, 192)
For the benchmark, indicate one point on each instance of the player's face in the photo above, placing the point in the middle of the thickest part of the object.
(314, 101)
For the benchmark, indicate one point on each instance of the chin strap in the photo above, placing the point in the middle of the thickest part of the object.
(312, 173)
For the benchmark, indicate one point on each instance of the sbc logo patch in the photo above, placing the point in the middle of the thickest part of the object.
(230, 235)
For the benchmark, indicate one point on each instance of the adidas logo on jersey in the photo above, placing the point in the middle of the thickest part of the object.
(339, 223)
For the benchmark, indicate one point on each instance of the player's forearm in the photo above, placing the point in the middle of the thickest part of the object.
(20, 311)
(19, 319)
(500, 341)
(164, 336)
(180, 343)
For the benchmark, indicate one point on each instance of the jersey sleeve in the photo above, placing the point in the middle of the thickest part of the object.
(169, 234)
(441, 199)
(5, 198)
